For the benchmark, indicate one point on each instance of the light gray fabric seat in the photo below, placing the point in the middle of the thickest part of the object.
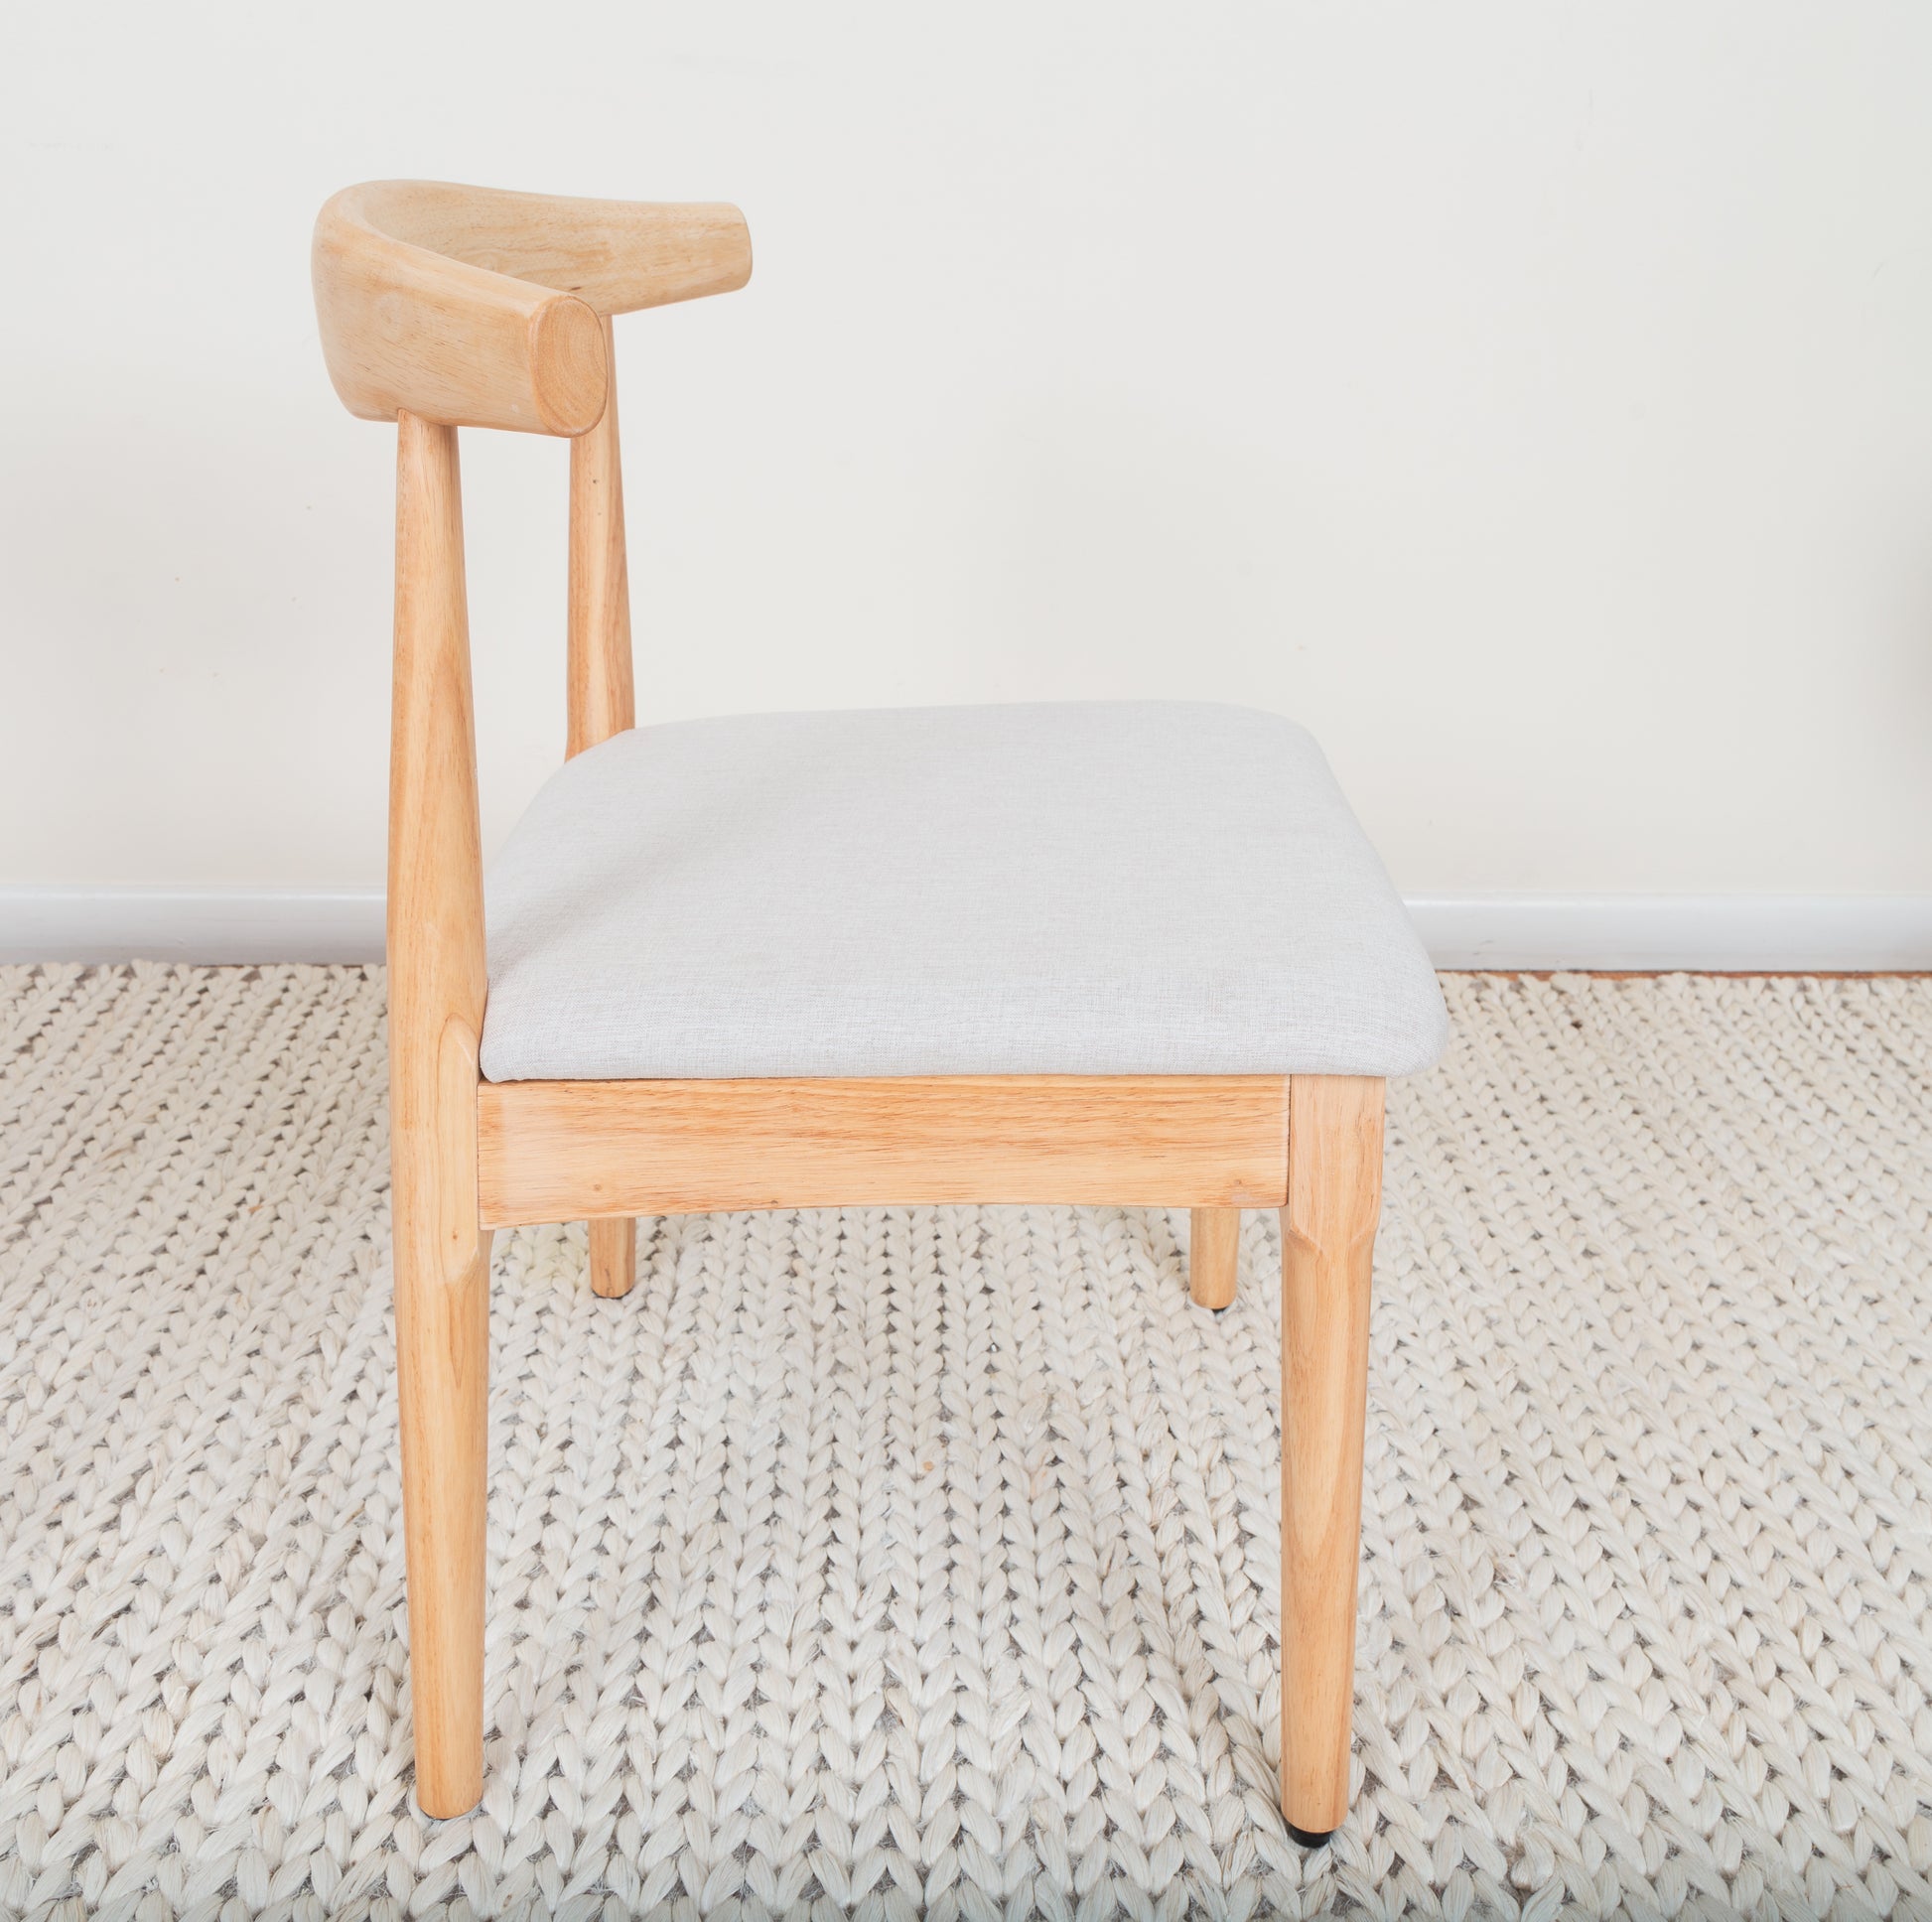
(1090, 888)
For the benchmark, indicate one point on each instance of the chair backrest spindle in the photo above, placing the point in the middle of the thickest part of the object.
(437, 976)
(601, 699)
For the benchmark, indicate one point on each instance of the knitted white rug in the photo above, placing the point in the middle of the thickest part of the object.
(923, 1561)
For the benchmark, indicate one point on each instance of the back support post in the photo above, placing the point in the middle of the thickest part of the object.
(599, 695)
(601, 699)
(436, 984)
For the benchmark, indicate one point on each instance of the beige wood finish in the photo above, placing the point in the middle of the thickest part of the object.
(444, 306)
(435, 1003)
(553, 1150)
(1334, 1201)
(1214, 1255)
(476, 307)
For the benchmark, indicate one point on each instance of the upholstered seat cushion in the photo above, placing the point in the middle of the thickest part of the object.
(1083, 888)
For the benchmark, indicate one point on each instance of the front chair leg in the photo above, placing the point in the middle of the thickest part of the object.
(1335, 1197)
(614, 1255)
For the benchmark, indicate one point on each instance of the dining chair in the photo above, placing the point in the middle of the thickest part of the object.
(1136, 954)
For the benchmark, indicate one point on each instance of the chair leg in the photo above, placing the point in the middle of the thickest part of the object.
(437, 985)
(613, 1256)
(443, 1389)
(1334, 1195)
(1213, 1254)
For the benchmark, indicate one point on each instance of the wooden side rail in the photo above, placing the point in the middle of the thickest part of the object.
(469, 306)
(556, 1150)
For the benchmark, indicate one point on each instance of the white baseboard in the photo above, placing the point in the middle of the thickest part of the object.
(1793, 933)
(1773, 934)
(211, 924)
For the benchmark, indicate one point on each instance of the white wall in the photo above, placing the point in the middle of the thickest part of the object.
(1535, 399)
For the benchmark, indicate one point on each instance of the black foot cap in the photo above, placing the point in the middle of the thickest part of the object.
(1310, 1837)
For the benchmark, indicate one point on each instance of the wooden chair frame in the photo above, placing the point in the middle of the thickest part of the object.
(443, 306)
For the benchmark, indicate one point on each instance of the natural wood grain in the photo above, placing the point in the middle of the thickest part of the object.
(599, 700)
(406, 329)
(436, 1002)
(1214, 1255)
(618, 256)
(476, 308)
(551, 1150)
(613, 1256)
(1334, 1201)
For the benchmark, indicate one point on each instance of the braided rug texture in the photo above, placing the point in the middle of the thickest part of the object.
(925, 1561)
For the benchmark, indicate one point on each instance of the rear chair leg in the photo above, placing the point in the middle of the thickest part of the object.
(613, 1256)
(1214, 1252)
(437, 985)
(1334, 1198)
(443, 1395)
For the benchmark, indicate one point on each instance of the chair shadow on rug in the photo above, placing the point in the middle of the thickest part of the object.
(807, 960)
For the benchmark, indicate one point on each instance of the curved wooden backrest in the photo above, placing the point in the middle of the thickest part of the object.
(472, 307)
